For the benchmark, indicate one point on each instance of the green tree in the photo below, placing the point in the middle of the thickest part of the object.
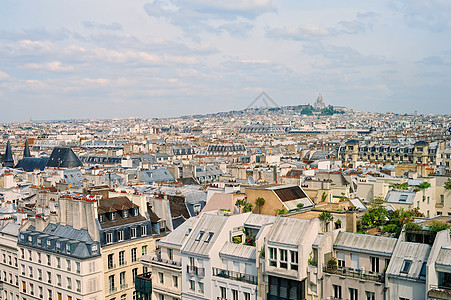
(423, 187)
(448, 185)
(374, 217)
(259, 202)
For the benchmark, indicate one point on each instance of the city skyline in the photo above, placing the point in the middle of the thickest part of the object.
(164, 59)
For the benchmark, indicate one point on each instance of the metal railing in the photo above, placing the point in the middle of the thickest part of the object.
(439, 292)
(193, 270)
(165, 261)
(354, 273)
(235, 276)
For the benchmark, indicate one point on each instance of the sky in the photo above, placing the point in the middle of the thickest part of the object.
(117, 59)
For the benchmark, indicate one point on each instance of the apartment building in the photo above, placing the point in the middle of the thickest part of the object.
(125, 233)
(359, 269)
(287, 249)
(8, 261)
(59, 262)
(166, 265)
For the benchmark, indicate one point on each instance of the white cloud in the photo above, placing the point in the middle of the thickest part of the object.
(3, 75)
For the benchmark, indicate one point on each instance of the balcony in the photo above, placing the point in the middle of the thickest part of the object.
(143, 283)
(192, 270)
(439, 292)
(354, 273)
(167, 262)
(235, 276)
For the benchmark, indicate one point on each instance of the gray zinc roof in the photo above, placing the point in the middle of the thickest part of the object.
(288, 231)
(415, 252)
(201, 243)
(444, 257)
(178, 236)
(238, 250)
(256, 221)
(365, 243)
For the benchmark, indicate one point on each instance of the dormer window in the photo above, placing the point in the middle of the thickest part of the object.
(201, 233)
(30, 239)
(406, 266)
(48, 244)
(67, 248)
(143, 230)
(113, 216)
(101, 218)
(58, 246)
(22, 237)
(94, 249)
(125, 214)
(135, 212)
(39, 241)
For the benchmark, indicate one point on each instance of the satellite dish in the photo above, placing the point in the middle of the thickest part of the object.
(251, 180)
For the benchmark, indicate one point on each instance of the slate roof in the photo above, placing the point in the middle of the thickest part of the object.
(160, 175)
(63, 157)
(365, 243)
(63, 239)
(29, 164)
(8, 160)
(117, 204)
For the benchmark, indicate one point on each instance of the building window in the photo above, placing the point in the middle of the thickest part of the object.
(353, 294)
(273, 257)
(423, 270)
(108, 237)
(201, 287)
(49, 277)
(122, 280)
(121, 258)
(283, 258)
(58, 280)
(111, 284)
(192, 285)
(30, 272)
(143, 230)
(170, 254)
(175, 281)
(78, 285)
(337, 291)
(223, 292)
(69, 283)
(370, 296)
(294, 260)
(247, 296)
(58, 262)
(234, 294)
(101, 218)
(120, 235)
(406, 266)
(39, 274)
(125, 214)
(134, 273)
(68, 248)
(110, 261)
(133, 232)
(113, 216)
(354, 261)
(161, 277)
(77, 267)
(374, 264)
(133, 254)
(144, 250)
(68, 265)
(341, 259)
(124, 297)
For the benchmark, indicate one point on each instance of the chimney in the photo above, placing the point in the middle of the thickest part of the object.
(351, 221)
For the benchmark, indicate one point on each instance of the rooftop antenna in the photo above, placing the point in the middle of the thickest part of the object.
(251, 180)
